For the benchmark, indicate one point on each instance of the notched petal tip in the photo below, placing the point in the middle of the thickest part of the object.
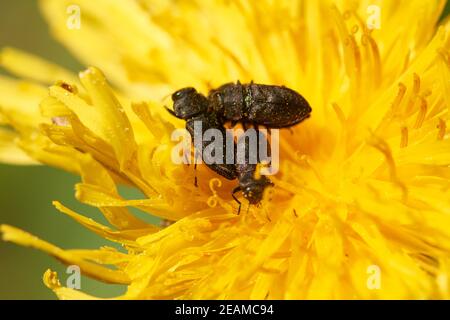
(51, 280)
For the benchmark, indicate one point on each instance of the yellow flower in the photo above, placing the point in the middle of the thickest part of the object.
(361, 205)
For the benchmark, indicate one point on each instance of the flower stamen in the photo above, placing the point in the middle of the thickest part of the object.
(404, 137)
(422, 113)
(398, 99)
(384, 148)
(212, 200)
(442, 129)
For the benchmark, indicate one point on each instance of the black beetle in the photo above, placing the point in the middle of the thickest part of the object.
(258, 104)
(192, 106)
(252, 187)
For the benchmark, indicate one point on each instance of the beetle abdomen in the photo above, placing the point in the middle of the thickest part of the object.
(275, 106)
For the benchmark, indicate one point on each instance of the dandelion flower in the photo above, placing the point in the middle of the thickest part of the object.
(363, 185)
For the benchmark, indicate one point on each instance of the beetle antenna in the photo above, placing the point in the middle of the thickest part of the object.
(172, 112)
(165, 97)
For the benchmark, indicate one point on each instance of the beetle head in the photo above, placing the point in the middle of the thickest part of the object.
(187, 102)
(254, 192)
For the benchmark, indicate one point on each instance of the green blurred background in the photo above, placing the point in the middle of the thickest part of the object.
(26, 193)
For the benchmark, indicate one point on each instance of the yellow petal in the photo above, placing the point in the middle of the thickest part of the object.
(51, 280)
(123, 236)
(116, 127)
(28, 66)
(9, 151)
(101, 273)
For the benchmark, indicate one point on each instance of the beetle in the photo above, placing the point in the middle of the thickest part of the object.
(255, 104)
(251, 184)
(191, 107)
(258, 104)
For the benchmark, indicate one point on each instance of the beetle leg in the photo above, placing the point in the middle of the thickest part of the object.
(235, 190)
(256, 127)
(195, 170)
(195, 177)
(186, 159)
